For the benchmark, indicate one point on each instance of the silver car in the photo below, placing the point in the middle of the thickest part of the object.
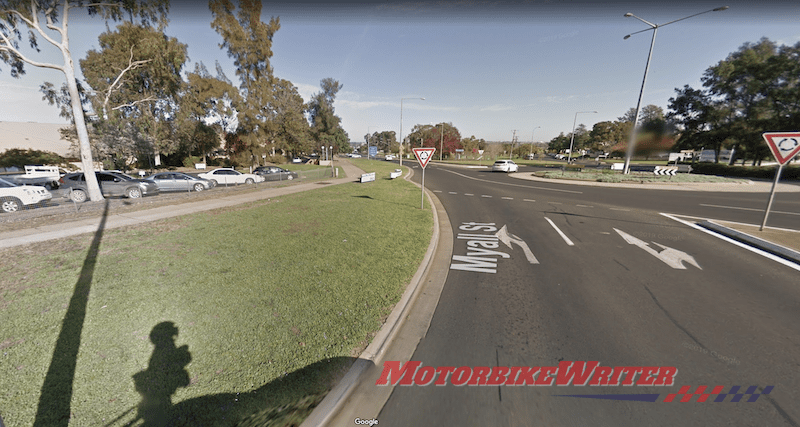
(111, 184)
(179, 181)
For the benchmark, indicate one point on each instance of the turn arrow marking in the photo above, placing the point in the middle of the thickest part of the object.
(507, 238)
(672, 257)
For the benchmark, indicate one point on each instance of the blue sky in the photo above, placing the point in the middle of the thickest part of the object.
(487, 67)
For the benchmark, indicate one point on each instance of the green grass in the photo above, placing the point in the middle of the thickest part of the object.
(272, 300)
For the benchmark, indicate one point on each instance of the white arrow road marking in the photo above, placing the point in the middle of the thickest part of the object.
(672, 257)
(508, 239)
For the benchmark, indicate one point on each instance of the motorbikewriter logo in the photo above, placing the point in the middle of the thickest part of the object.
(577, 373)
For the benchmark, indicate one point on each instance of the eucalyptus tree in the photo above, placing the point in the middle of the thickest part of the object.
(325, 124)
(49, 20)
(206, 103)
(248, 42)
(136, 78)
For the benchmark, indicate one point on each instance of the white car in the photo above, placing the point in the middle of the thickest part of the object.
(388, 157)
(13, 197)
(226, 176)
(505, 166)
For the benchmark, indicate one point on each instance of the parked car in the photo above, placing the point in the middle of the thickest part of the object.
(14, 197)
(179, 181)
(507, 166)
(112, 183)
(274, 173)
(228, 176)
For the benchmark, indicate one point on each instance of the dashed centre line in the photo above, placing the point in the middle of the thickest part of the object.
(452, 192)
(507, 198)
(468, 194)
(528, 200)
(584, 206)
(485, 195)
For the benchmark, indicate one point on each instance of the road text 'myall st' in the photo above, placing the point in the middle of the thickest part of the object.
(482, 253)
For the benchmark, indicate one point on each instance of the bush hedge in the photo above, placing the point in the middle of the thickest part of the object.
(790, 173)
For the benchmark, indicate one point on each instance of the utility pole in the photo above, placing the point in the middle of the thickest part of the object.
(513, 141)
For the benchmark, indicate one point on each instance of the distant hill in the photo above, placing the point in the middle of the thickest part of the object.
(34, 136)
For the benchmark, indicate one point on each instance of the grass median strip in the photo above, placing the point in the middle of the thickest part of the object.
(240, 315)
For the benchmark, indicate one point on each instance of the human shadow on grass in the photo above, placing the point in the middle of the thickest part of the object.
(284, 401)
(56, 394)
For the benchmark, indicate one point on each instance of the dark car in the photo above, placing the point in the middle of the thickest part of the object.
(112, 183)
(178, 181)
(274, 173)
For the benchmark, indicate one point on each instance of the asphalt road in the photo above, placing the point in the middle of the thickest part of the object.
(605, 278)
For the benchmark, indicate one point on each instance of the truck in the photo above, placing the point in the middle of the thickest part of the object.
(41, 175)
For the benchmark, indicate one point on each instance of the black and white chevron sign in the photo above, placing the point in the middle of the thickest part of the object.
(665, 170)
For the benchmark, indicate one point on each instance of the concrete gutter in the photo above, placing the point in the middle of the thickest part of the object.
(775, 249)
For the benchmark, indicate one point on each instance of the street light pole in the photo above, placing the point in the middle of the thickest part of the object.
(441, 143)
(401, 128)
(571, 140)
(654, 27)
(534, 130)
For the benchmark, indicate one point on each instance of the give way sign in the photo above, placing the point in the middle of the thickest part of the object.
(784, 145)
(424, 155)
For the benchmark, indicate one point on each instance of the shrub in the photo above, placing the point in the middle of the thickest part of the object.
(19, 157)
(790, 173)
(190, 161)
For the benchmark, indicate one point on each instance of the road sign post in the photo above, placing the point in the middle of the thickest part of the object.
(423, 155)
(784, 146)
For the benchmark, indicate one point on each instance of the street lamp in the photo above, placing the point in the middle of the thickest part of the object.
(441, 142)
(575, 121)
(534, 130)
(401, 128)
(654, 27)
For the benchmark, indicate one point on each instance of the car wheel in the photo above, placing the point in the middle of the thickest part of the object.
(133, 193)
(199, 187)
(11, 204)
(214, 182)
(78, 196)
(249, 181)
(290, 177)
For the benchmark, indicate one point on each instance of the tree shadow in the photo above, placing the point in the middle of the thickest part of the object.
(285, 401)
(56, 394)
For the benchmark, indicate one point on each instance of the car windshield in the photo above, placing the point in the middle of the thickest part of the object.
(7, 184)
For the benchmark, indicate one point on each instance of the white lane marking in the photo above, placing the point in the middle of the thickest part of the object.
(437, 191)
(513, 185)
(584, 206)
(747, 209)
(729, 240)
(563, 236)
(529, 200)
(507, 198)
(468, 194)
(672, 257)
(619, 209)
(484, 195)
(452, 192)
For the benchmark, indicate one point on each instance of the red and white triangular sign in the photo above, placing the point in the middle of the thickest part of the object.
(423, 155)
(784, 145)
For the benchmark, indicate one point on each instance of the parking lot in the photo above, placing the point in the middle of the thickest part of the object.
(61, 209)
